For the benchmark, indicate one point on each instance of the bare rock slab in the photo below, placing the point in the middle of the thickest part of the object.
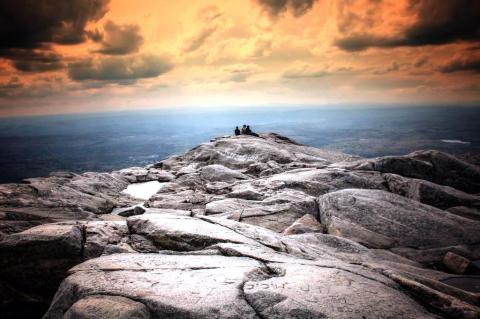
(384, 220)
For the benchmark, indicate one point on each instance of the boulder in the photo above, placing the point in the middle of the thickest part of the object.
(32, 265)
(380, 219)
(101, 307)
(220, 173)
(276, 212)
(455, 263)
(140, 174)
(305, 224)
(433, 166)
(100, 236)
(132, 211)
(316, 182)
(467, 212)
(182, 233)
(440, 196)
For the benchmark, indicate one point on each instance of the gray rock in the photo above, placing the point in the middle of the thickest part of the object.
(303, 291)
(430, 193)
(233, 287)
(34, 262)
(276, 212)
(101, 307)
(383, 220)
(140, 174)
(241, 151)
(455, 263)
(182, 233)
(316, 182)
(305, 224)
(467, 212)
(101, 234)
(245, 191)
(220, 173)
(136, 210)
(433, 166)
(170, 286)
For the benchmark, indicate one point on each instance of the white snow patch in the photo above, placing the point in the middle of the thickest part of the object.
(455, 141)
(143, 190)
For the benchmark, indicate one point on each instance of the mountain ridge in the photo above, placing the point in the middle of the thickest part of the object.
(247, 227)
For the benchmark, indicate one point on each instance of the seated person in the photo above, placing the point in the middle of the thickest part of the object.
(244, 129)
(237, 131)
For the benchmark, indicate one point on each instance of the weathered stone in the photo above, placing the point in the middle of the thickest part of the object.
(32, 265)
(433, 166)
(100, 234)
(306, 224)
(276, 212)
(220, 173)
(182, 233)
(455, 263)
(302, 291)
(242, 151)
(136, 210)
(467, 212)
(170, 286)
(382, 220)
(101, 307)
(429, 193)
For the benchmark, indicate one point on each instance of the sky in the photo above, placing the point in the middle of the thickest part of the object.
(107, 55)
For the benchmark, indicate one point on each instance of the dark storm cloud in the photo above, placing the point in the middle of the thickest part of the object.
(35, 24)
(438, 22)
(119, 69)
(119, 39)
(33, 60)
(360, 42)
(459, 65)
(297, 7)
(29, 24)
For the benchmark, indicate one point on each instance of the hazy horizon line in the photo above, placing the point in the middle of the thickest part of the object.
(202, 108)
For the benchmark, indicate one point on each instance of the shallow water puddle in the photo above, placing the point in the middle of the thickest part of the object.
(143, 190)
(455, 141)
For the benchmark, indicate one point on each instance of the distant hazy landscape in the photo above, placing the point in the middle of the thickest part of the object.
(35, 146)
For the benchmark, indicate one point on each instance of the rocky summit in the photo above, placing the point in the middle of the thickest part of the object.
(247, 227)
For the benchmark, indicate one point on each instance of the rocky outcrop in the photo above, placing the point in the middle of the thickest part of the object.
(247, 227)
(380, 219)
(430, 193)
(433, 166)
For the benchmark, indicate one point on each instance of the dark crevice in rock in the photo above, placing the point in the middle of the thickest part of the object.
(244, 235)
(267, 273)
(83, 230)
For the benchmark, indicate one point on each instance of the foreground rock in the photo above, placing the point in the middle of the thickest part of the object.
(247, 227)
(174, 286)
(32, 265)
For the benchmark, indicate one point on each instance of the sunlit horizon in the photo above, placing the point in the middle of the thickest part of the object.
(102, 56)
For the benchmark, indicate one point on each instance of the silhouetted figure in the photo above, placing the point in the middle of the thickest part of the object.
(248, 131)
(237, 131)
(244, 129)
